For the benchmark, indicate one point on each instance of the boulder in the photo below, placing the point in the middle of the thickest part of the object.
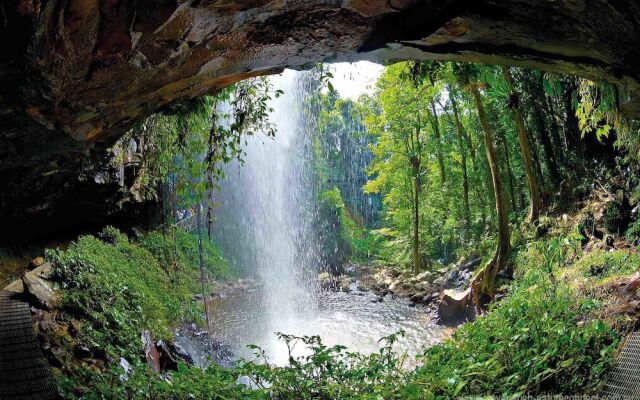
(426, 276)
(424, 286)
(440, 281)
(367, 282)
(470, 265)
(151, 352)
(453, 276)
(38, 286)
(418, 297)
(404, 289)
(16, 286)
(454, 305)
(406, 275)
(36, 262)
(345, 284)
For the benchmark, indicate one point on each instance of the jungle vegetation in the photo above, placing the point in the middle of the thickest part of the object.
(441, 160)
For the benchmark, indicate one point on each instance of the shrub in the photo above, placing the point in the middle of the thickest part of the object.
(615, 217)
(540, 338)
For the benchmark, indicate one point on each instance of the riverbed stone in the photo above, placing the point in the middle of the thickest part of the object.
(441, 281)
(418, 297)
(454, 305)
(426, 276)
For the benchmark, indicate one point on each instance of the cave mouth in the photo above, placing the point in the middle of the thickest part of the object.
(76, 77)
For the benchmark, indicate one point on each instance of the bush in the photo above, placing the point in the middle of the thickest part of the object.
(616, 217)
(185, 252)
(540, 338)
(121, 289)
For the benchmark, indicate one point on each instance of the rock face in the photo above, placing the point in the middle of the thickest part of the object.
(38, 286)
(77, 74)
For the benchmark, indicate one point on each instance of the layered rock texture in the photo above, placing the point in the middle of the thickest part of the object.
(75, 74)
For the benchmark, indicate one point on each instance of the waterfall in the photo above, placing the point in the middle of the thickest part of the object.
(264, 208)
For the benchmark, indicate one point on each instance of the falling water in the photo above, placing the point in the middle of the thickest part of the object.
(265, 205)
(265, 223)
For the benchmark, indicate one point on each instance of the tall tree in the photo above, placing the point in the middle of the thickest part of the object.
(535, 203)
(484, 282)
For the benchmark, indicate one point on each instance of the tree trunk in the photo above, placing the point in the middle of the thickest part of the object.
(512, 184)
(436, 131)
(525, 150)
(484, 282)
(465, 178)
(416, 226)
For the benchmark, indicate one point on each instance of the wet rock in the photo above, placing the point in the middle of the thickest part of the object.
(38, 286)
(428, 299)
(171, 354)
(16, 286)
(454, 306)
(441, 281)
(124, 364)
(81, 351)
(426, 276)
(418, 297)
(470, 265)
(345, 284)
(377, 299)
(151, 352)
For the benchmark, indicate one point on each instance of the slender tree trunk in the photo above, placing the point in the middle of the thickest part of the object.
(465, 178)
(525, 150)
(512, 184)
(484, 282)
(436, 131)
(416, 216)
(547, 147)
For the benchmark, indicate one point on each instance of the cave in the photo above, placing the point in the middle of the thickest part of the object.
(76, 75)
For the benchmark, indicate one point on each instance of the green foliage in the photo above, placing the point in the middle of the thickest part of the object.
(543, 337)
(633, 231)
(189, 142)
(615, 217)
(186, 246)
(121, 290)
(140, 383)
(331, 372)
(342, 237)
(602, 264)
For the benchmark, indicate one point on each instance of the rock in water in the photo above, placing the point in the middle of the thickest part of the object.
(454, 306)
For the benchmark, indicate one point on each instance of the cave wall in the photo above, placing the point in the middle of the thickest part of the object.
(75, 74)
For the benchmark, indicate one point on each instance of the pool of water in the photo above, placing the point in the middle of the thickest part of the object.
(356, 320)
